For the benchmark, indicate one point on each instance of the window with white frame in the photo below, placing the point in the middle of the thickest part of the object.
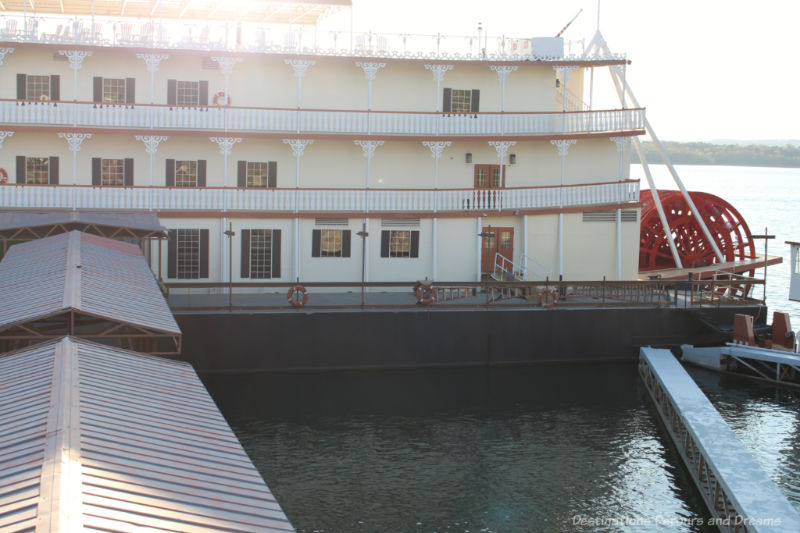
(185, 173)
(37, 170)
(188, 93)
(188, 254)
(38, 87)
(261, 253)
(112, 172)
(257, 174)
(113, 91)
(330, 243)
(400, 243)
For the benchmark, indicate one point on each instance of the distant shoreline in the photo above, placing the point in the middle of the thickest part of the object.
(695, 153)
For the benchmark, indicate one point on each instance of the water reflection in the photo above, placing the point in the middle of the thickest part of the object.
(546, 448)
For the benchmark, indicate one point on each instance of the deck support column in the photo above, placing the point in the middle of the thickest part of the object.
(226, 64)
(298, 147)
(75, 140)
(152, 61)
(563, 147)
(369, 151)
(479, 231)
(300, 66)
(75, 58)
(225, 147)
(151, 143)
(436, 148)
(502, 73)
(622, 143)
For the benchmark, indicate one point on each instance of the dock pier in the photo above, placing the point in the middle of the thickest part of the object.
(737, 492)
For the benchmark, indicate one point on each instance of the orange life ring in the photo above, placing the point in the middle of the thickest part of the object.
(297, 302)
(548, 298)
(3, 176)
(432, 296)
(221, 96)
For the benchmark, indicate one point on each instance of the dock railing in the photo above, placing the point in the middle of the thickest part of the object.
(256, 296)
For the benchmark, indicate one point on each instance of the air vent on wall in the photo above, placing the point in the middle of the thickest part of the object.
(331, 222)
(404, 222)
(209, 64)
(627, 215)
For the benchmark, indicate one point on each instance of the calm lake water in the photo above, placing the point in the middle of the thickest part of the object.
(543, 448)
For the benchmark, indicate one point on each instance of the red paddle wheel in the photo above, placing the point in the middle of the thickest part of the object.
(726, 225)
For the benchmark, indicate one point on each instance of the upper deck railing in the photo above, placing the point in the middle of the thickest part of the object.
(225, 36)
(311, 121)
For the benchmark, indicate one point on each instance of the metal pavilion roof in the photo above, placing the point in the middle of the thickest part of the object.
(87, 286)
(306, 12)
(99, 438)
(24, 225)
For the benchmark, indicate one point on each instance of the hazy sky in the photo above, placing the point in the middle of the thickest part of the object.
(704, 69)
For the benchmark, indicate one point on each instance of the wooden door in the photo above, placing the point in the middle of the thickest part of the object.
(496, 241)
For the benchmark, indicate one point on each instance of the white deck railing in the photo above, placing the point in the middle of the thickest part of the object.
(315, 200)
(216, 35)
(143, 116)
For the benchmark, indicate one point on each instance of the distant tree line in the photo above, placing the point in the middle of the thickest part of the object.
(753, 155)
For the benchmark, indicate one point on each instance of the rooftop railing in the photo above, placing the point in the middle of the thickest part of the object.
(222, 36)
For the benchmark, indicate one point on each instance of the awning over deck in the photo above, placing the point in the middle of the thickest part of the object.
(94, 437)
(306, 12)
(26, 225)
(87, 286)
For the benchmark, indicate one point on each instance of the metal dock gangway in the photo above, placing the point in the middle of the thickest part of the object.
(737, 492)
(752, 361)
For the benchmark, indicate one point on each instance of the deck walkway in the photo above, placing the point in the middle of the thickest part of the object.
(736, 490)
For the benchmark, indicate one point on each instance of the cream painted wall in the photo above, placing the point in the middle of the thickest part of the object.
(330, 268)
(263, 83)
(531, 89)
(543, 242)
(457, 243)
(400, 268)
(37, 61)
(350, 85)
(590, 249)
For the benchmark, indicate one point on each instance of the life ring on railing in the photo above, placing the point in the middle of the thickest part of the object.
(548, 298)
(222, 97)
(297, 302)
(3, 176)
(426, 295)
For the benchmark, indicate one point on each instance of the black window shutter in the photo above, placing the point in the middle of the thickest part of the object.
(97, 89)
(316, 242)
(127, 172)
(447, 99)
(170, 180)
(21, 174)
(22, 86)
(55, 87)
(346, 243)
(203, 253)
(385, 243)
(276, 253)
(241, 174)
(272, 174)
(172, 92)
(130, 90)
(201, 172)
(245, 253)
(414, 244)
(172, 254)
(203, 92)
(97, 171)
(54, 170)
(475, 103)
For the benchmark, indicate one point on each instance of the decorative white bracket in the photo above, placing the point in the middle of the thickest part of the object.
(503, 72)
(75, 57)
(75, 140)
(298, 146)
(565, 72)
(226, 63)
(370, 69)
(300, 66)
(3, 52)
(226, 143)
(151, 142)
(438, 71)
(622, 142)
(369, 147)
(152, 61)
(3, 136)
(502, 147)
(437, 147)
(563, 145)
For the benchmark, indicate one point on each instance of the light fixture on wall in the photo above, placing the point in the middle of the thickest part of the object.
(512, 159)
(558, 83)
(468, 157)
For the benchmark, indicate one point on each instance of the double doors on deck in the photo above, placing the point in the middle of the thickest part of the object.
(496, 241)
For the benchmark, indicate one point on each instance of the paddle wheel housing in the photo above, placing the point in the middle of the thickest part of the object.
(726, 225)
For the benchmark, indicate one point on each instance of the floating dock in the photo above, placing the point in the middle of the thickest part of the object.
(737, 492)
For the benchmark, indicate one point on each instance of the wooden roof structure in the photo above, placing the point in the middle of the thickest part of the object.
(87, 286)
(305, 12)
(27, 225)
(99, 438)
